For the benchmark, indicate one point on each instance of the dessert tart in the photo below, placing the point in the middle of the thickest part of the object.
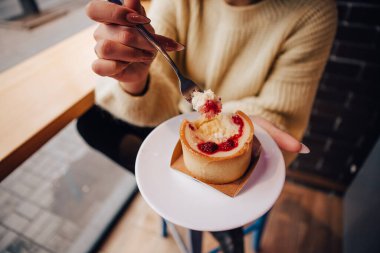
(217, 147)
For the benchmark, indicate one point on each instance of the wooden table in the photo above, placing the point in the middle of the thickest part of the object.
(41, 95)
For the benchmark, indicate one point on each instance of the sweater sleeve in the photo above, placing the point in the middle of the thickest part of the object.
(160, 102)
(288, 93)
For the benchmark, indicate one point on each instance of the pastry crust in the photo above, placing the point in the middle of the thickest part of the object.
(220, 169)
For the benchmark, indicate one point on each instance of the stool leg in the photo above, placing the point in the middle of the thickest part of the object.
(164, 231)
(195, 240)
(256, 236)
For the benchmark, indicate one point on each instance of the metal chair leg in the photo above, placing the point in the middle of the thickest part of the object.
(256, 236)
(164, 231)
(195, 241)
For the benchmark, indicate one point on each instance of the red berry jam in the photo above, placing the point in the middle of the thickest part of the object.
(208, 147)
(211, 108)
(238, 121)
(231, 143)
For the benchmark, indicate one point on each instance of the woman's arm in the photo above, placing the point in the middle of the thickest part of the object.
(126, 56)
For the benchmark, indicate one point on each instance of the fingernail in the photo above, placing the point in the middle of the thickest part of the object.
(137, 19)
(174, 46)
(304, 149)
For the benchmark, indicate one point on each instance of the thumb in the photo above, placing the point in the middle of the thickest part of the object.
(134, 5)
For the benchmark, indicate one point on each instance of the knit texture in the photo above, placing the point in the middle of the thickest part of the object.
(264, 59)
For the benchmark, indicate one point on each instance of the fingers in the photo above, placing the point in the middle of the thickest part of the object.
(121, 71)
(132, 73)
(109, 13)
(111, 50)
(125, 35)
(108, 67)
(143, 10)
(284, 140)
(131, 37)
(134, 5)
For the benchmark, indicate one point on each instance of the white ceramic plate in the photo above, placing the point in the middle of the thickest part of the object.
(191, 204)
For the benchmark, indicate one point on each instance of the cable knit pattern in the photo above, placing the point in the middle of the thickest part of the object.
(265, 59)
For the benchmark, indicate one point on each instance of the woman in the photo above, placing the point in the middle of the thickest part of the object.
(262, 57)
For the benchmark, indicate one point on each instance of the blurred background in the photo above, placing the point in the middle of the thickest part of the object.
(63, 200)
(345, 121)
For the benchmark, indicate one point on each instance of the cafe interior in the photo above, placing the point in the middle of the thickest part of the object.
(59, 194)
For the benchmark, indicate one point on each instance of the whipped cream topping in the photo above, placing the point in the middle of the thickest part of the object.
(206, 103)
(199, 98)
(218, 129)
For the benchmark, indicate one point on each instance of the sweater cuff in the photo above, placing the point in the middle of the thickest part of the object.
(158, 104)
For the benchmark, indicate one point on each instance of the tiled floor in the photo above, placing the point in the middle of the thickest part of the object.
(61, 198)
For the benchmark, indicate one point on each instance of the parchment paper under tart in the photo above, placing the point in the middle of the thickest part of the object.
(231, 189)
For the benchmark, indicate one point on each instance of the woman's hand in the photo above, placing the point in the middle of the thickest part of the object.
(123, 52)
(285, 141)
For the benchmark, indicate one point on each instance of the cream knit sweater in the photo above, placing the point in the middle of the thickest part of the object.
(265, 59)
